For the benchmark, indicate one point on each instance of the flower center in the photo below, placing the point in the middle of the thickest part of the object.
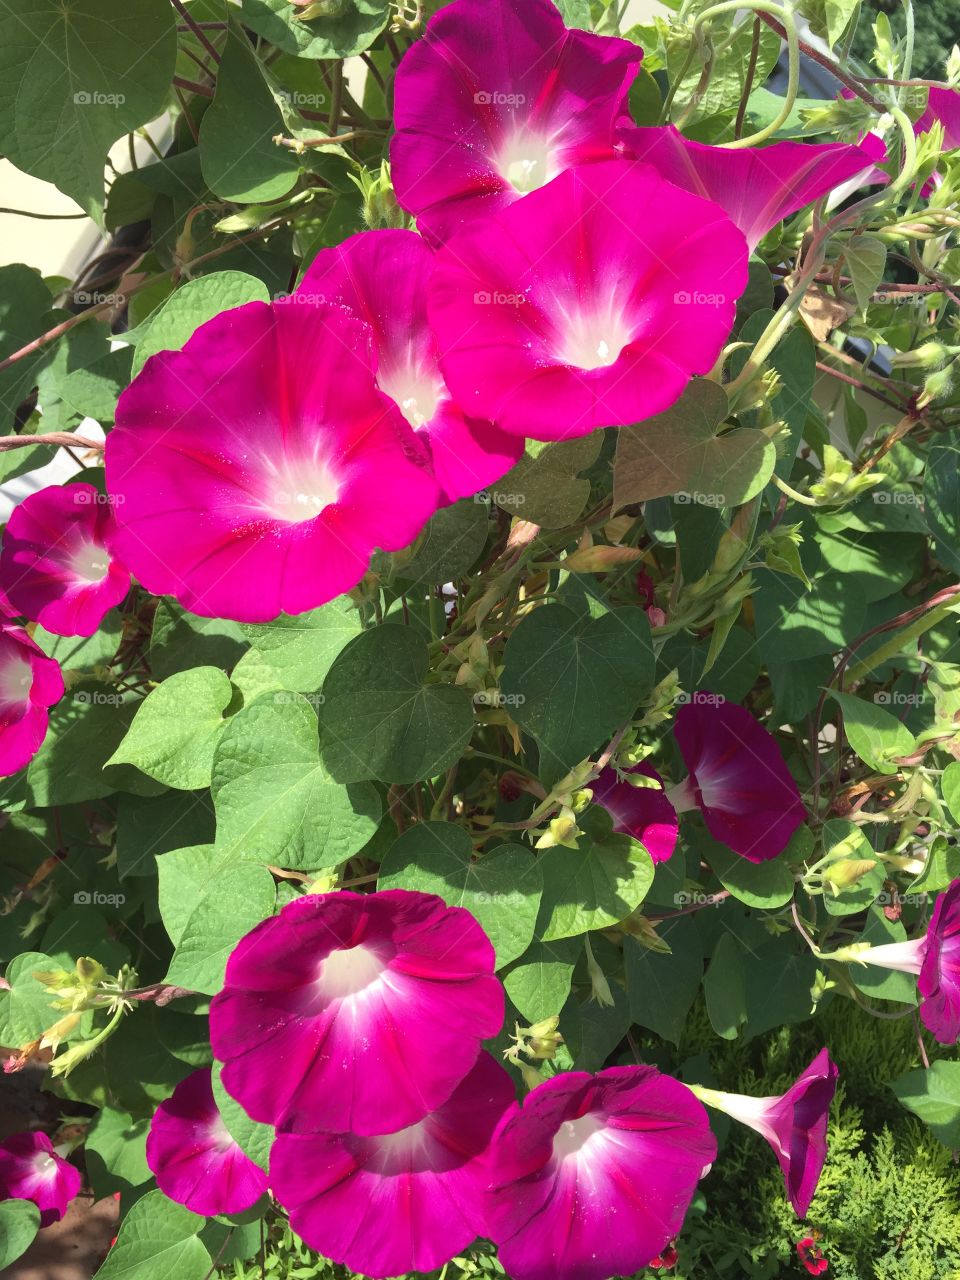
(574, 1135)
(16, 681)
(300, 490)
(416, 390)
(593, 339)
(44, 1166)
(90, 562)
(525, 161)
(349, 971)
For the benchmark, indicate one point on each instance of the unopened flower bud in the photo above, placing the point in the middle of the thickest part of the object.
(847, 872)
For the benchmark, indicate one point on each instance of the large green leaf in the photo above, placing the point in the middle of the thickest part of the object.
(295, 653)
(24, 303)
(379, 719)
(190, 306)
(235, 899)
(679, 451)
(941, 493)
(662, 987)
(120, 1142)
(75, 77)
(174, 733)
(590, 888)
(572, 680)
(274, 799)
(876, 735)
(157, 1238)
(240, 160)
(19, 1224)
(539, 982)
(934, 1096)
(449, 545)
(546, 488)
(502, 889)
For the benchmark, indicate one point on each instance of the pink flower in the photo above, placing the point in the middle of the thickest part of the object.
(57, 563)
(588, 304)
(30, 1169)
(497, 99)
(30, 683)
(811, 1255)
(358, 1012)
(644, 813)
(382, 277)
(592, 1177)
(757, 187)
(260, 466)
(406, 1201)
(935, 959)
(193, 1157)
(943, 107)
(737, 778)
(794, 1124)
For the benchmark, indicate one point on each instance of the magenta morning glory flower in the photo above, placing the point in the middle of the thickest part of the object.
(757, 187)
(358, 1012)
(497, 99)
(934, 958)
(30, 683)
(644, 813)
(381, 277)
(592, 1177)
(737, 778)
(30, 1169)
(406, 1201)
(794, 1124)
(57, 564)
(588, 304)
(256, 470)
(193, 1157)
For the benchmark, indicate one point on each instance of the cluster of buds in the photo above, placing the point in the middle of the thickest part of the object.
(939, 361)
(840, 484)
(307, 10)
(539, 1043)
(380, 208)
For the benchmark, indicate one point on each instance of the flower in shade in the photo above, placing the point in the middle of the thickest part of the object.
(812, 1256)
(737, 778)
(495, 101)
(257, 469)
(402, 1202)
(934, 958)
(757, 187)
(57, 564)
(592, 1177)
(644, 813)
(193, 1156)
(590, 303)
(794, 1124)
(381, 277)
(30, 1169)
(30, 683)
(358, 1012)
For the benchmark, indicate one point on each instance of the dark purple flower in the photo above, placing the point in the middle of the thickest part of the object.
(644, 813)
